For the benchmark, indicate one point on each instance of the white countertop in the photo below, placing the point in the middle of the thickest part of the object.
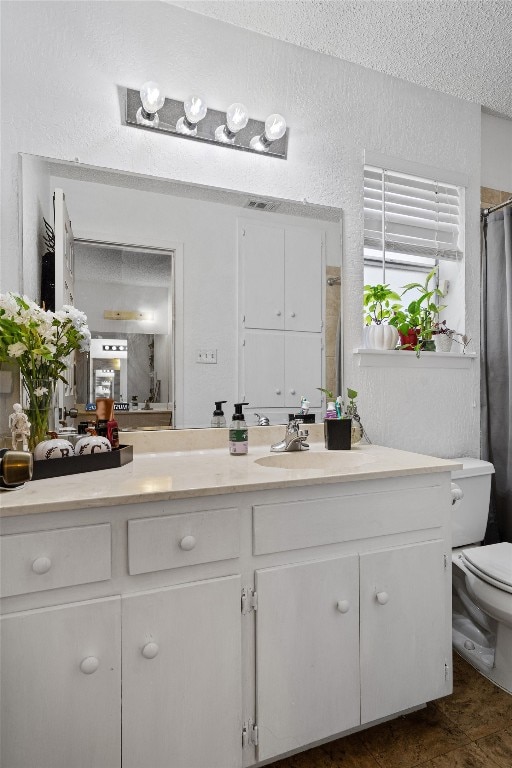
(169, 465)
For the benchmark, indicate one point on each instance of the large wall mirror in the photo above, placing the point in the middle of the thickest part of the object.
(157, 271)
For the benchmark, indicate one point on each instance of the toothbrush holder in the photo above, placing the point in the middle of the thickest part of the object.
(338, 434)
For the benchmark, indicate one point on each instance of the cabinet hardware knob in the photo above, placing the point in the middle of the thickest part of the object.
(382, 598)
(41, 565)
(278, 312)
(188, 542)
(150, 650)
(292, 314)
(292, 391)
(89, 665)
(343, 606)
(278, 391)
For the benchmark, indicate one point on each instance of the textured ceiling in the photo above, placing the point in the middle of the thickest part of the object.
(460, 47)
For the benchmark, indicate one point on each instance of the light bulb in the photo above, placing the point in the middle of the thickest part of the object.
(195, 109)
(152, 100)
(237, 118)
(275, 128)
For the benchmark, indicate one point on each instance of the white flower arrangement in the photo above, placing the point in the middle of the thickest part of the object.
(39, 340)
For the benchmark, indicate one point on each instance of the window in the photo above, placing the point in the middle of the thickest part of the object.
(412, 224)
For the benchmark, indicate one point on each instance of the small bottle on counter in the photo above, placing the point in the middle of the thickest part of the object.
(238, 434)
(134, 405)
(218, 418)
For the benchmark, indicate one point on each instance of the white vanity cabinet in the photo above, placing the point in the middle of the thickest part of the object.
(234, 628)
(61, 686)
(182, 688)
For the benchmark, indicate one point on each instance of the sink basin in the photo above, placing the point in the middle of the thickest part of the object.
(325, 461)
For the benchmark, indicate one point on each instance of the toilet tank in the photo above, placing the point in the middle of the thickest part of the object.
(469, 514)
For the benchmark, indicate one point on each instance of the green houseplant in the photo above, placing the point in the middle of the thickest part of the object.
(416, 322)
(380, 303)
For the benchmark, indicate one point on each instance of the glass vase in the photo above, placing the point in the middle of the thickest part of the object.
(39, 405)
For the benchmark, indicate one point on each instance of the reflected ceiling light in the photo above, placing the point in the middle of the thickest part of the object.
(275, 128)
(237, 118)
(152, 100)
(195, 110)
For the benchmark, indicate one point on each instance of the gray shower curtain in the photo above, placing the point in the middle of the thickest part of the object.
(496, 368)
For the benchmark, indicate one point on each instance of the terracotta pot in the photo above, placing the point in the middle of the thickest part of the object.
(410, 339)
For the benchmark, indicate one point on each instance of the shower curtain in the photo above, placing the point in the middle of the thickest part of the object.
(496, 368)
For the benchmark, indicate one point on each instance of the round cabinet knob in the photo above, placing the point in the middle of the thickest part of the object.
(278, 391)
(382, 598)
(150, 650)
(292, 314)
(41, 565)
(188, 542)
(89, 665)
(278, 312)
(343, 606)
(292, 391)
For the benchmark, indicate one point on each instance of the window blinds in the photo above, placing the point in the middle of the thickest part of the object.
(414, 216)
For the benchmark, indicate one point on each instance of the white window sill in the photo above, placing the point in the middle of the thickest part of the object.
(403, 358)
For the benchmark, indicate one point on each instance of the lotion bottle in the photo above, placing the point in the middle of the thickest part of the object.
(238, 434)
(218, 418)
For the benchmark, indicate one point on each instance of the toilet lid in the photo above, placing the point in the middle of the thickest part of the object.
(493, 563)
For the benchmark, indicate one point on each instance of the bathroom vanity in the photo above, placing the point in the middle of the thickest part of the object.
(240, 608)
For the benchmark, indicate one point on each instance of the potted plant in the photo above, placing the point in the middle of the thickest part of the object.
(416, 323)
(443, 336)
(380, 303)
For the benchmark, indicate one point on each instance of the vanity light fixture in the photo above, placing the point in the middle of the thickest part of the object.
(152, 100)
(275, 128)
(237, 118)
(148, 109)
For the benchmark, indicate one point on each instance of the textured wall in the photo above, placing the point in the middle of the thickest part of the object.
(496, 152)
(62, 63)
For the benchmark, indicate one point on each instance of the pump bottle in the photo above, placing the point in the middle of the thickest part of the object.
(238, 435)
(218, 418)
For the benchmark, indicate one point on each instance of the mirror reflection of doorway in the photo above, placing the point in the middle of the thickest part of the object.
(126, 293)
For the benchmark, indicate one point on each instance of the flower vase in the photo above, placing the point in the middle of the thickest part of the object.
(39, 405)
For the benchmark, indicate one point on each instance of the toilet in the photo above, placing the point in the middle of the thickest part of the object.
(481, 578)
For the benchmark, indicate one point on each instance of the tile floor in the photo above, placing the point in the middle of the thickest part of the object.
(472, 728)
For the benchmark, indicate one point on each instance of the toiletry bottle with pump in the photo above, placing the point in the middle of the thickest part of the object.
(218, 418)
(238, 435)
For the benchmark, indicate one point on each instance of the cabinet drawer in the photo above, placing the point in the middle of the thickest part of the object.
(31, 562)
(159, 543)
(301, 524)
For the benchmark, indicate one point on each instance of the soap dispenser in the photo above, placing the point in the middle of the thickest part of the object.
(238, 436)
(218, 418)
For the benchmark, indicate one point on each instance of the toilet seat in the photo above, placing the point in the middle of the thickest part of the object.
(491, 563)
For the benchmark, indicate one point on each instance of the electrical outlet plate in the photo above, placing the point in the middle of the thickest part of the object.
(207, 356)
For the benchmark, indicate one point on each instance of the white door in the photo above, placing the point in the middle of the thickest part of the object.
(307, 651)
(182, 701)
(303, 368)
(405, 641)
(64, 286)
(303, 270)
(262, 275)
(61, 686)
(263, 369)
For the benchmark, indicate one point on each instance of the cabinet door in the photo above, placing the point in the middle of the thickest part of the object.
(182, 676)
(404, 637)
(262, 252)
(303, 369)
(61, 687)
(303, 273)
(263, 369)
(307, 651)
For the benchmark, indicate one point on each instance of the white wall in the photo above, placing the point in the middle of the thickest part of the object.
(62, 65)
(496, 153)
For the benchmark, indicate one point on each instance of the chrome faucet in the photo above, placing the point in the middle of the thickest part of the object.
(294, 439)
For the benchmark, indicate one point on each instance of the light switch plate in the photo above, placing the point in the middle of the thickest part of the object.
(207, 356)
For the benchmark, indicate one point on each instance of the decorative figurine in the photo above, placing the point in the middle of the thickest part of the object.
(20, 427)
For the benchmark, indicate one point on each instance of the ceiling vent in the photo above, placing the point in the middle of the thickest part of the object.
(262, 205)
